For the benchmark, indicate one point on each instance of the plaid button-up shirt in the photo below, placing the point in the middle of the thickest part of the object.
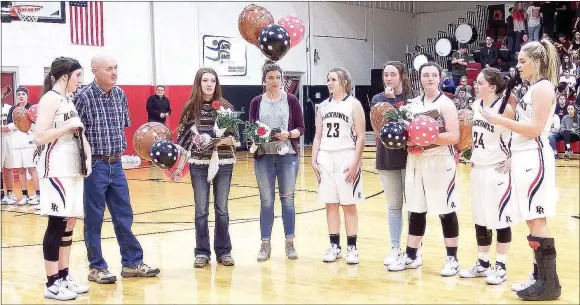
(105, 117)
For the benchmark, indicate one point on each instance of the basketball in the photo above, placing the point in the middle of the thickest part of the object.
(378, 116)
(252, 20)
(21, 119)
(465, 137)
(148, 134)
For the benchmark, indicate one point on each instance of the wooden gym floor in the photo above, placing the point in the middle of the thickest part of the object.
(164, 216)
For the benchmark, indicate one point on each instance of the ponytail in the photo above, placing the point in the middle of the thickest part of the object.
(511, 84)
(48, 83)
(551, 68)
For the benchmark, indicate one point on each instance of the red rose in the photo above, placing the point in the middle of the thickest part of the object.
(399, 104)
(261, 131)
(216, 105)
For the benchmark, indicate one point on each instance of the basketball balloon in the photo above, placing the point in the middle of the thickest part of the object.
(252, 20)
(465, 136)
(274, 42)
(146, 135)
(33, 113)
(295, 28)
(378, 116)
(423, 130)
(21, 119)
(394, 135)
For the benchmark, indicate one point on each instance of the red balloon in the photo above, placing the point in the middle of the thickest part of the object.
(295, 28)
(33, 113)
(423, 130)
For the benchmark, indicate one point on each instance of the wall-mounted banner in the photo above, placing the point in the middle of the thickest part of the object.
(226, 55)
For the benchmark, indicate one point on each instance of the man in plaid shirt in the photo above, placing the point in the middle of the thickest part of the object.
(104, 111)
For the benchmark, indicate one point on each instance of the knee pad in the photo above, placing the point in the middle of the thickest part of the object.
(450, 225)
(483, 236)
(53, 237)
(504, 235)
(417, 223)
(66, 243)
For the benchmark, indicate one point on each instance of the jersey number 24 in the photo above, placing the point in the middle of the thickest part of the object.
(478, 140)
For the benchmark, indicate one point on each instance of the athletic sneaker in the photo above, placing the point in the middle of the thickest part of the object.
(58, 291)
(101, 276)
(9, 199)
(332, 254)
(404, 262)
(524, 285)
(23, 201)
(352, 255)
(34, 200)
(392, 257)
(475, 271)
(451, 267)
(73, 286)
(497, 276)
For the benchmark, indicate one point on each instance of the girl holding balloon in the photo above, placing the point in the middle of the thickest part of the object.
(430, 183)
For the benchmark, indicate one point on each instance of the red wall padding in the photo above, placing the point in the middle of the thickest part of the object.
(137, 96)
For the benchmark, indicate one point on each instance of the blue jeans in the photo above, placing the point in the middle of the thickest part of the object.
(534, 33)
(393, 182)
(107, 184)
(267, 168)
(221, 189)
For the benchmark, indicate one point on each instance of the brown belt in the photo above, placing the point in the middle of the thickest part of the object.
(109, 159)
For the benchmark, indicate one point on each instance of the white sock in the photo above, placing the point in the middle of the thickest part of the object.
(501, 258)
(568, 146)
(484, 256)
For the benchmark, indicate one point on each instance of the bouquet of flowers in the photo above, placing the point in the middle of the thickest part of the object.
(258, 133)
(226, 119)
(402, 113)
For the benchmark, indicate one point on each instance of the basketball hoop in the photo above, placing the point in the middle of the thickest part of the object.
(23, 11)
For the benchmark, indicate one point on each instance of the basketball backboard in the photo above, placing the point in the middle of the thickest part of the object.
(48, 12)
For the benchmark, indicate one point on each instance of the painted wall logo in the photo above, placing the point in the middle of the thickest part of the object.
(226, 55)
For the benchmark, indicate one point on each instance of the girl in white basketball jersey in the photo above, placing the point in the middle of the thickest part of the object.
(336, 160)
(5, 149)
(491, 190)
(430, 184)
(61, 179)
(533, 165)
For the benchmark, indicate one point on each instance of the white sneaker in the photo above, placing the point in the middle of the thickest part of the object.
(392, 257)
(9, 199)
(475, 271)
(23, 201)
(351, 255)
(451, 267)
(34, 200)
(58, 291)
(404, 262)
(332, 254)
(524, 285)
(497, 276)
(75, 287)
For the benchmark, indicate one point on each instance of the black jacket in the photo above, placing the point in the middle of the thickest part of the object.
(489, 55)
(156, 106)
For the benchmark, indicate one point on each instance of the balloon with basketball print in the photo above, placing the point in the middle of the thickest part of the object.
(378, 116)
(295, 28)
(21, 119)
(394, 135)
(252, 20)
(33, 113)
(146, 135)
(423, 130)
(274, 42)
(465, 123)
(164, 154)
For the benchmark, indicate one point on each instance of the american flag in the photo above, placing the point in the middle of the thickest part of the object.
(86, 23)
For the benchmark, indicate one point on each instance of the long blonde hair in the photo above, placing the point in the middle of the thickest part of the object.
(545, 59)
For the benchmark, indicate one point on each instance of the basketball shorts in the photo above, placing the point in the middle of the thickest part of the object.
(20, 158)
(333, 187)
(62, 197)
(4, 150)
(430, 184)
(492, 198)
(534, 182)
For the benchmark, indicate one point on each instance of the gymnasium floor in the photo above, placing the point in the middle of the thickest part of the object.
(164, 215)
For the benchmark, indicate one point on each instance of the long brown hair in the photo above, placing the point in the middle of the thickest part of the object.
(405, 82)
(59, 67)
(192, 108)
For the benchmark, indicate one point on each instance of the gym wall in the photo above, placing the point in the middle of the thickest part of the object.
(160, 43)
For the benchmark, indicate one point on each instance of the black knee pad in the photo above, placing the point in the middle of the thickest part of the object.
(504, 235)
(53, 237)
(417, 223)
(483, 236)
(450, 225)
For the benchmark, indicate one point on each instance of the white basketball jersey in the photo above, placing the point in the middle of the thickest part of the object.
(338, 131)
(417, 106)
(491, 143)
(21, 139)
(60, 158)
(5, 110)
(524, 113)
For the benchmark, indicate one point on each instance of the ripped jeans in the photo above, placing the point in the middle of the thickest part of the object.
(285, 168)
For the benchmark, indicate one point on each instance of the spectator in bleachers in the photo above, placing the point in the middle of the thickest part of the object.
(515, 75)
(459, 61)
(561, 106)
(575, 43)
(461, 99)
(489, 54)
(564, 18)
(463, 84)
(519, 26)
(563, 45)
(569, 131)
(534, 22)
(555, 130)
(567, 65)
(547, 13)
(569, 79)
